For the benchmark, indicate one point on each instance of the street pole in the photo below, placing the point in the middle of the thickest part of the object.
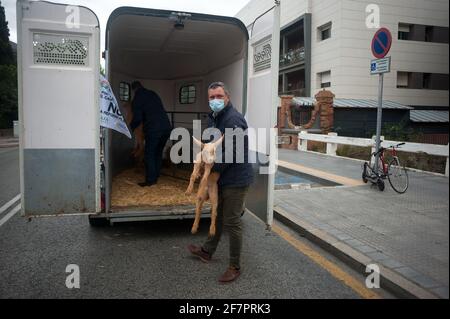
(379, 117)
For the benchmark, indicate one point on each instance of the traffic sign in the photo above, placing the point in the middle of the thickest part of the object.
(380, 66)
(381, 43)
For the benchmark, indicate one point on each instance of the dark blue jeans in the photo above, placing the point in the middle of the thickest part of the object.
(154, 147)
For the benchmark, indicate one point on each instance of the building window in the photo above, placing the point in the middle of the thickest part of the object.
(324, 31)
(429, 31)
(435, 81)
(425, 81)
(292, 46)
(188, 94)
(325, 79)
(295, 83)
(423, 33)
(402, 79)
(124, 91)
(403, 31)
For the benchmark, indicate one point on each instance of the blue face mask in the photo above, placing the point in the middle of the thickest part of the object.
(217, 105)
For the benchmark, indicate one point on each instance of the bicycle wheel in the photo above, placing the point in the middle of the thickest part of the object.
(398, 176)
(364, 173)
(380, 184)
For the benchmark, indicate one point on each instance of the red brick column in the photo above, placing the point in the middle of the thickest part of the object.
(286, 101)
(325, 100)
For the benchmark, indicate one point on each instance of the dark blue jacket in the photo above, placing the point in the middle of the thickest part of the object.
(148, 109)
(232, 174)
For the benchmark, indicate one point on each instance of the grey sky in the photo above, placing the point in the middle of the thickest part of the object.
(103, 8)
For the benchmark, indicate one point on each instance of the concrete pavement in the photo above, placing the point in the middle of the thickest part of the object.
(407, 235)
(150, 260)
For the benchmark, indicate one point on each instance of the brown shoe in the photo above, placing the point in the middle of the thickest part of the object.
(231, 274)
(200, 253)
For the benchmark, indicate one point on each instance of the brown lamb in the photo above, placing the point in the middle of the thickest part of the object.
(208, 188)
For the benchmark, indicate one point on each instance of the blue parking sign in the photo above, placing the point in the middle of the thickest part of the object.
(373, 66)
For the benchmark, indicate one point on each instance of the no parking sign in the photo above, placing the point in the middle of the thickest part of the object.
(381, 43)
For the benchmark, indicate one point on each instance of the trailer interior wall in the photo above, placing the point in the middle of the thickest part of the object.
(164, 88)
(169, 90)
(148, 48)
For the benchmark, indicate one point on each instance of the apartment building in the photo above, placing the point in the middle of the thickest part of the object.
(326, 44)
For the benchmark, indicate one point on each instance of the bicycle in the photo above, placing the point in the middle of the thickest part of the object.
(396, 174)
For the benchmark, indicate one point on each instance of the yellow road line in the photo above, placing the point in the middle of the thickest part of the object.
(321, 174)
(332, 268)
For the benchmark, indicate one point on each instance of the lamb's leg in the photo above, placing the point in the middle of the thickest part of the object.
(193, 178)
(204, 181)
(213, 192)
(202, 196)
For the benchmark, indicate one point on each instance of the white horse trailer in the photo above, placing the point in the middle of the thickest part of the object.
(67, 162)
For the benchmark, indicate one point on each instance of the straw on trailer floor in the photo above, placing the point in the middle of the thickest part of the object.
(168, 191)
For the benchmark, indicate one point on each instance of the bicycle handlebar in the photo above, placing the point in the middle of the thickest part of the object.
(379, 151)
(396, 146)
(382, 149)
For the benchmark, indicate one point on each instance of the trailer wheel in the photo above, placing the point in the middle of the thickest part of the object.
(98, 221)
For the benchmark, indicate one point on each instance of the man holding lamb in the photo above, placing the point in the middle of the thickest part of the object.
(233, 183)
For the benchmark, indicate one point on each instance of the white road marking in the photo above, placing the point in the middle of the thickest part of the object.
(10, 214)
(9, 204)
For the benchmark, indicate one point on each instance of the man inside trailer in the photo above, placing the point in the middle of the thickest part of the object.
(149, 110)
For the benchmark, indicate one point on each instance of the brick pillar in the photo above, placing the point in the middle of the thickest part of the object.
(286, 101)
(325, 100)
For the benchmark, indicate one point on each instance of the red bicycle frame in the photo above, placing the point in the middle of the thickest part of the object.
(383, 162)
(393, 153)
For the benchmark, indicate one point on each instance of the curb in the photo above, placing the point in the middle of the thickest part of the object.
(9, 145)
(389, 279)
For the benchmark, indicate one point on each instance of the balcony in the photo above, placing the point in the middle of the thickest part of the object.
(292, 58)
(296, 92)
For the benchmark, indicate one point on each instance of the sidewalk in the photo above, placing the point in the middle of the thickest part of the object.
(406, 235)
(8, 141)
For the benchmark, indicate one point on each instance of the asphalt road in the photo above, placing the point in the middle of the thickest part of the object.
(9, 174)
(145, 260)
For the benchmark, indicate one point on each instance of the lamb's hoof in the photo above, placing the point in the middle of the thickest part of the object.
(188, 192)
(194, 230)
(212, 233)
